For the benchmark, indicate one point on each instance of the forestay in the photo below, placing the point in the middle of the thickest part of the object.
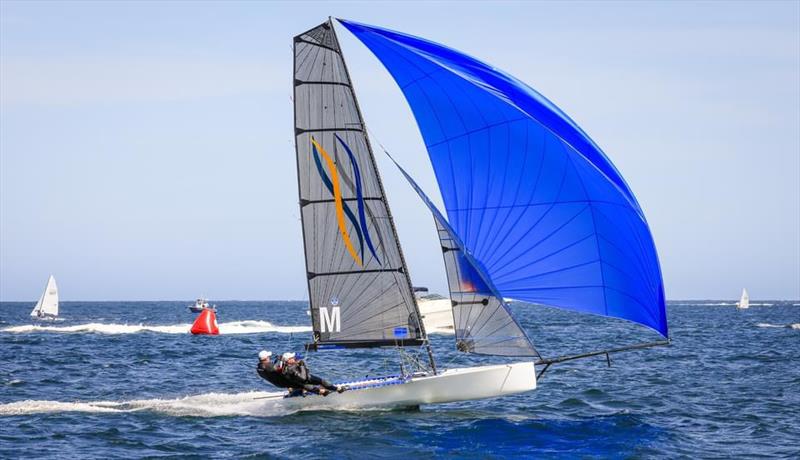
(359, 289)
(482, 320)
(529, 194)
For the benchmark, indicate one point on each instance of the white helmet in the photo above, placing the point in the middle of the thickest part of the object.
(264, 354)
(286, 356)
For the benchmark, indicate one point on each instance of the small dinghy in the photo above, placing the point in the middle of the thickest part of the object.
(201, 304)
(47, 306)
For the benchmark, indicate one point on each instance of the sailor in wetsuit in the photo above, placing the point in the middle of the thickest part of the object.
(289, 372)
(268, 371)
(296, 372)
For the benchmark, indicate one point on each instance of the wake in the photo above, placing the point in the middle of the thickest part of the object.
(789, 326)
(233, 327)
(202, 405)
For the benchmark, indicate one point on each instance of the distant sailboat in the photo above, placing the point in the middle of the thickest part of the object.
(744, 302)
(47, 306)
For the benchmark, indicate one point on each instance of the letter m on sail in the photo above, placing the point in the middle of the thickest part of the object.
(330, 320)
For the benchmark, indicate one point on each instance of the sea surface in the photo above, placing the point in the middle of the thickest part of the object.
(126, 380)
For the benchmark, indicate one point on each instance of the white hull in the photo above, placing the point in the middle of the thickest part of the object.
(449, 386)
(44, 317)
(437, 315)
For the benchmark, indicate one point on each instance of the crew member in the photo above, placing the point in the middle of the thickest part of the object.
(296, 372)
(268, 371)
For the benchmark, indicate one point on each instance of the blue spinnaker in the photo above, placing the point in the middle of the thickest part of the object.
(530, 195)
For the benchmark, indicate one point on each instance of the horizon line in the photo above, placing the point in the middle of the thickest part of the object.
(306, 300)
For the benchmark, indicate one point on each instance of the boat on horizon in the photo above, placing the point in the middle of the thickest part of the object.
(535, 212)
(744, 300)
(47, 305)
(201, 304)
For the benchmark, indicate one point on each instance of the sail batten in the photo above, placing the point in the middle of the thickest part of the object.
(359, 289)
(532, 198)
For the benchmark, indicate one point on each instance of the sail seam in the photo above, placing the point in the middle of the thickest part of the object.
(549, 235)
(494, 92)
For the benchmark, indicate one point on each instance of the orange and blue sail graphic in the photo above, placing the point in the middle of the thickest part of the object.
(343, 210)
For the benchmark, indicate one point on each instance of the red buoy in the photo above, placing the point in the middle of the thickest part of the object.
(206, 323)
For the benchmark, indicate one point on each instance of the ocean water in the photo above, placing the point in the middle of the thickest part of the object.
(126, 380)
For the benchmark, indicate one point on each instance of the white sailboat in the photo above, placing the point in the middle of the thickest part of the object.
(578, 241)
(744, 301)
(47, 306)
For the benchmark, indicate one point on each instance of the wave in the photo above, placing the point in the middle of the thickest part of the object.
(789, 326)
(249, 403)
(233, 327)
(705, 304)
(202, 405)
(729, 304)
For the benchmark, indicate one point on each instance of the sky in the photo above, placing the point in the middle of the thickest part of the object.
(147, 152)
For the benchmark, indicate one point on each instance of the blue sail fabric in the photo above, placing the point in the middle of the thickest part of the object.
(482, 321)
(530, 195)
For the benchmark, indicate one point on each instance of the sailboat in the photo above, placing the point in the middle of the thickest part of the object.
(744, 301)
(47, 306)
(535, 212)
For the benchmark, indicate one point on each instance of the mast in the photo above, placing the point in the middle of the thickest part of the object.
(360, 292)
(389, 213)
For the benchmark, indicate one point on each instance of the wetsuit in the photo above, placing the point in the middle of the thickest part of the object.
(266, 370)
(299, 377)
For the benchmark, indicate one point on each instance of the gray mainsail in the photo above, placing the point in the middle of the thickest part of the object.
(359, 288)
(482, 321)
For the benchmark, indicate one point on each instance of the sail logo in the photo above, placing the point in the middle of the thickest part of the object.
(330, 321)
(332, 183)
